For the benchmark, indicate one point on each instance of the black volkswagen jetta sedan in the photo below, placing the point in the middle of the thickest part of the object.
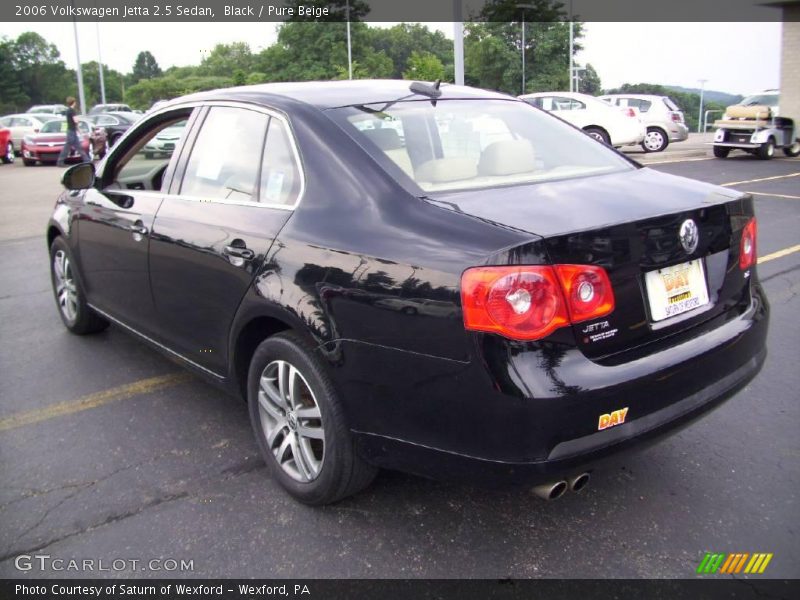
(441, 280)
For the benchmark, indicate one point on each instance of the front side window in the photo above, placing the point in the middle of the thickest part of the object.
(470, 144)
(225, 159)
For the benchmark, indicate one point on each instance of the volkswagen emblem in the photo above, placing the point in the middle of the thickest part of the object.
(689, 235)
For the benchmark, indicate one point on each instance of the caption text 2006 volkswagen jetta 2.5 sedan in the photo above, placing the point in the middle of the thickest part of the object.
(436, 279)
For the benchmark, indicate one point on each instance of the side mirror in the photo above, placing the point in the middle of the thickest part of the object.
(78, 177)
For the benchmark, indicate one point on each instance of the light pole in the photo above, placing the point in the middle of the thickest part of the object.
(523, 7)
(349, 44)
(81, 97)
(571, 44)
(100, 65)
(458, 43)
(700, 116)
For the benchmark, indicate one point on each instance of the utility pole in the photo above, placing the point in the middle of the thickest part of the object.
(523, 7)
(349, 44)
(571, 46)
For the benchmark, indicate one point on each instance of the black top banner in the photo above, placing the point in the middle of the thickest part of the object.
(399, 10)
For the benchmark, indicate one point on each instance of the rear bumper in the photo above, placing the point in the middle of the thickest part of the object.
(678, 132)
(479, 433)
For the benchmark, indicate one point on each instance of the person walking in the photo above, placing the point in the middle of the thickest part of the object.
(73, 142)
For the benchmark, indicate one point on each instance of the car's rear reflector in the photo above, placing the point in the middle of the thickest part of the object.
(747, 245)
(530, 302)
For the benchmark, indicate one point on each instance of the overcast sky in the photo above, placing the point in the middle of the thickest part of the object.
(733, 57)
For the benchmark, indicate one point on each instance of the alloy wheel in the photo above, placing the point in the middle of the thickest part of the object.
(291, 420)
(66, 290)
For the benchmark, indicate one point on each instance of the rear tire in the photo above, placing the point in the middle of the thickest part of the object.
(75, 313)
(300, 425)
(767, 149)
(793, 150)
(8, 157)
(655, 140)
(721, 151)
(599, 135)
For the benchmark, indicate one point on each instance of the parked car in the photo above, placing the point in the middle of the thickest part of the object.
(165, 141)
(53, 109)
(599, 303)
(756, 126)
(23, 124)
(6, 146)
(115, 124)
(662, 117)
(595, 117)
(46, 145)
(107, 108)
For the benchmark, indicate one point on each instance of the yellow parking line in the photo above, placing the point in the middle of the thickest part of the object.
(122, 392)
(778, 254)
(775, 195)
(758, 180)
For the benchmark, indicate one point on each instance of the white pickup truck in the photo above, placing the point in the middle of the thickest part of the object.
(756, 126)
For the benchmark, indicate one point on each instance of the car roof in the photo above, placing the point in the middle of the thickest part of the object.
(562, 94)
(642, 96)
(331, 94)
(26, 115)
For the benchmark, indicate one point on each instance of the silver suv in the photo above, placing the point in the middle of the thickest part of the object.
(663, 118)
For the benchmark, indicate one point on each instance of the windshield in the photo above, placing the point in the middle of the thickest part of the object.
(470, 144)
(765, 99)
(54, 127)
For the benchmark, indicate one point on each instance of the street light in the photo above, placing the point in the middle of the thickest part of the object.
(523, 7)
(571, 45)
(100, 65)
(349, 43)
(700, 116)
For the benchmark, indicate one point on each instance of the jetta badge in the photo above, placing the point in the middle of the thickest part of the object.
(689, 236)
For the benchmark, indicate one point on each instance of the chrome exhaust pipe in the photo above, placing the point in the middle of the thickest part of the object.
(578, 482)
(552, 490)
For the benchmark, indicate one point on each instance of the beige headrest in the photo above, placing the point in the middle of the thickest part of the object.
(385, 139)
(507, 158)
(443, 170)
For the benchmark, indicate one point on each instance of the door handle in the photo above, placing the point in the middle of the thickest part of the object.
(139, 228)
(238, 252)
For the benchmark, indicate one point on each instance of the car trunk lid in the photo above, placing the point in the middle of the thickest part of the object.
(630, 224)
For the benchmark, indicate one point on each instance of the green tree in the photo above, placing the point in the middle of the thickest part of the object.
(145, 67)
(41, 74)
(224, 59)
(113, 81)
(400, 41)
(424, 66)
(589, 82)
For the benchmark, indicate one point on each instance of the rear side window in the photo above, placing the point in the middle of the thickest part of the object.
(224, 164)
(280, 177)
(642, 105)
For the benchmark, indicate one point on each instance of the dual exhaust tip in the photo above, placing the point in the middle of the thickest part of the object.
(556, 489)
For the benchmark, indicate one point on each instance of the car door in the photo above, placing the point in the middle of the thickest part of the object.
(115, 225)
(234, 192)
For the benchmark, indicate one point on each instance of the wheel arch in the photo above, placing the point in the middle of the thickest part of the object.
(247, 338)
(598, 127)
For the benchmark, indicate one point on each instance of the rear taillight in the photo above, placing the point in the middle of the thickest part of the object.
(677, 117)
(587, 290)
(531, 302)
(747, 246)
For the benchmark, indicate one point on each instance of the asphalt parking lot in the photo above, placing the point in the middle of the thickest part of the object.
(110, 451)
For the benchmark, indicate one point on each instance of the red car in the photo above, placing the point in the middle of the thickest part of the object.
(6, 146)
(46, 145)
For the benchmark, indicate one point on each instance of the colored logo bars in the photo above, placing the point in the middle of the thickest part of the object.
(734, 563)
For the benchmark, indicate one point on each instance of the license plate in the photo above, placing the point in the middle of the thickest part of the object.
(677, 289)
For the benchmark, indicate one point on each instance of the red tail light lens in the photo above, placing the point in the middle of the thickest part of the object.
(530, 302)
(677, 117)
(747, 246)
(587, 290)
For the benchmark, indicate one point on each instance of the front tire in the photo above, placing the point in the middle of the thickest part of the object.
(793, 150)
(75, 313)
(766, 150)
(599, 135)
(656, 140)
(8, 157)
(300, 425)
(721, 151)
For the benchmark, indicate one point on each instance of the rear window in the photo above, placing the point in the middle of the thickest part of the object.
(670, 104)
(470, 144)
